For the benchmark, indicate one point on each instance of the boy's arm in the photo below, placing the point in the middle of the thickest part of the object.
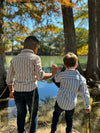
(60, 70)
(85, 95)
(57, 77)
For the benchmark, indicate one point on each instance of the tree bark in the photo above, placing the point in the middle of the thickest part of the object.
(98, 31)
(2, 57)
(69, 31)
(92, 64)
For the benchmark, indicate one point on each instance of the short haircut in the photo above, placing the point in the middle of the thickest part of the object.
(70, 59)
(30, 42)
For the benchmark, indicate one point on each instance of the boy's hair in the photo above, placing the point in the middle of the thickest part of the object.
(30, 42)
(70, 59)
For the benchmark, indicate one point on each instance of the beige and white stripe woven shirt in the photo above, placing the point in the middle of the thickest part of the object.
(27, 69)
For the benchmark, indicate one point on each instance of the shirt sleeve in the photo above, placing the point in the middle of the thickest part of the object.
(85, 94)
(57, 77)
(38, 69)
(10, 75)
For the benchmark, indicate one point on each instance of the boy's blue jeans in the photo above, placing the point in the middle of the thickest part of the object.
(23, 99)
(68, 118)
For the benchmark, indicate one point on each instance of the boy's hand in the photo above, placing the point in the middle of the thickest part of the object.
(55, 68)
(87, 111)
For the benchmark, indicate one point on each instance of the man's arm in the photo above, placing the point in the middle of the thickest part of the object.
(48, 75)
(9, 80)
(11, 90)
(54, 71)
(40, 74)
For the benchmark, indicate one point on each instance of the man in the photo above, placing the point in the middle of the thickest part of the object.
(27, 69)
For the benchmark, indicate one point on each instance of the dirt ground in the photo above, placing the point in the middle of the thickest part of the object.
(12, 128)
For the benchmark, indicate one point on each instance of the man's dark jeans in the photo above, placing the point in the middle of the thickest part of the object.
(23, 99)
(68, 118)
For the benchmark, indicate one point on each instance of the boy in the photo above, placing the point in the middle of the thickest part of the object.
(70, 82)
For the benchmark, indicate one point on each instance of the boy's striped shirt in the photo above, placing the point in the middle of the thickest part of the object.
(70, 82)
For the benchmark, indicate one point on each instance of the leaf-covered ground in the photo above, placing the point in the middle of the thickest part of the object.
(42, 128)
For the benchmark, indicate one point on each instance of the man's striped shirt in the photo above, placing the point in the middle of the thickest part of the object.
(27, 69)
(70, 82)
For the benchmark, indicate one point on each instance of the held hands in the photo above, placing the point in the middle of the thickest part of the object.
(55, 68)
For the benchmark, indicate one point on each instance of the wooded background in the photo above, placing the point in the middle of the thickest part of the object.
(56, 37)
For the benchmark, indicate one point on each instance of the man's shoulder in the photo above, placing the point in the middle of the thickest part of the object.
(35, 57)
(14, 58)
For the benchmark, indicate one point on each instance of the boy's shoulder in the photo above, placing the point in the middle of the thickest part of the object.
(81, 77)
(75, 73)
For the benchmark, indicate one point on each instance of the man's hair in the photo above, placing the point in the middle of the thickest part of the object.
(30, 42)
(70, 59)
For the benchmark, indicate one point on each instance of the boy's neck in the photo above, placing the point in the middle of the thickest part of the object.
(71, 68)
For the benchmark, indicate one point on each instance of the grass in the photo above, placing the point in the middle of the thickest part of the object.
(83, 61)
(46, 109)
(60, 129)
(45, 118)
(8, 59)
(46, 113)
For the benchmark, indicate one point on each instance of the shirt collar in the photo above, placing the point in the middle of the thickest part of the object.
(27, 50)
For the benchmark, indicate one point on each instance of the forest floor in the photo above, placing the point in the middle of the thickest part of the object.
(45, 117)
(42, 128)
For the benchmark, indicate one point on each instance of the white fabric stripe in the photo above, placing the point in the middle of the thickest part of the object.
(70, 82)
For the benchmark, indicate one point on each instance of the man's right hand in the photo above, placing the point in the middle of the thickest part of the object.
(11, 89)
(11, 95)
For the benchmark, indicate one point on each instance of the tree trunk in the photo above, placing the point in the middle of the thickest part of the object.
(2, 57)
(92, 64)
(98, 31)
(69, 31)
